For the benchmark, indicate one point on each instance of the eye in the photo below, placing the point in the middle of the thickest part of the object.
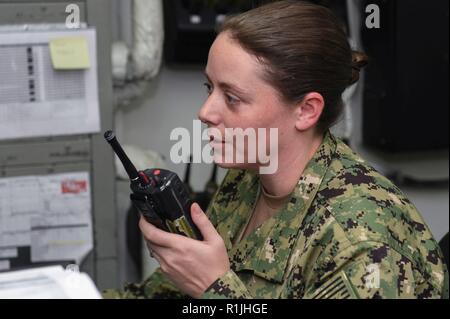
(208, 88)
(232, 100)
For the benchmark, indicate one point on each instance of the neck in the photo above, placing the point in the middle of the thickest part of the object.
(290, 167)
(272, 201)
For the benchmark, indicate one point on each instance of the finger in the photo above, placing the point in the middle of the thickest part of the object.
(202, 222)
(155, 235)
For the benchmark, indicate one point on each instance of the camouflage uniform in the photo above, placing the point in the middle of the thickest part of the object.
(346, 232)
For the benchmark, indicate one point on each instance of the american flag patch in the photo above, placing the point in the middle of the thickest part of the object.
(337, 288)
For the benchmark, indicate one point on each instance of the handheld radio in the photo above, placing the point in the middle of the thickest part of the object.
(159, 195)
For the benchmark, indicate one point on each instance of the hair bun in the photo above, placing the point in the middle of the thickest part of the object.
(359, 61)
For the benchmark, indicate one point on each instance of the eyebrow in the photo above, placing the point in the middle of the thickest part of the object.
(225, 85)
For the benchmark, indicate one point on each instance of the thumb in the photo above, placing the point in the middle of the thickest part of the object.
(202, 222)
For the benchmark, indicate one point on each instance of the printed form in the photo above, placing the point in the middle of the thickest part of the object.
(48, 83)
(50, 213)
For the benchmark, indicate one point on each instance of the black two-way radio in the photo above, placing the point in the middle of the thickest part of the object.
(159, 195)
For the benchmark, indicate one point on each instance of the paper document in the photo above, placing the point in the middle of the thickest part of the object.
(50, 213)
(47, 283)
(38, 100)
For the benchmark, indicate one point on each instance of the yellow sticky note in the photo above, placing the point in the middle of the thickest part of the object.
(69, 53)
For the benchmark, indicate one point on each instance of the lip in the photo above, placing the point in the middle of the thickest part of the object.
(212, 140)
(216, 144)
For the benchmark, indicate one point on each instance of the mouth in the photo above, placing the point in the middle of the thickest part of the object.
(214, 141)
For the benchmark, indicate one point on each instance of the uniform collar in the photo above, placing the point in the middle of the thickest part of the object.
(266, 251)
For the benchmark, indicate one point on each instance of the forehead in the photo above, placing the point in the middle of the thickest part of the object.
(228, 61)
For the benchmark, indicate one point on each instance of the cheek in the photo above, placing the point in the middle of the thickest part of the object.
(261, 115)
(284, 124)
(239, 120)
(273, 114)
(254, 118)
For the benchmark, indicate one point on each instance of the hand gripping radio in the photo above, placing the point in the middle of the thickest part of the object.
(159, 195)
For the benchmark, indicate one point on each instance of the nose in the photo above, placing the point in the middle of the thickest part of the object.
(209, 113)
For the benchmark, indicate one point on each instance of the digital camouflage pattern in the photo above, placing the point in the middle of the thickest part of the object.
(346, 232)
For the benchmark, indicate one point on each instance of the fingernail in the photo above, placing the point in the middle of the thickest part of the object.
(197, 209)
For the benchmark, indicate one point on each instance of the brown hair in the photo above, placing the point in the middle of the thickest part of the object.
(303, 49)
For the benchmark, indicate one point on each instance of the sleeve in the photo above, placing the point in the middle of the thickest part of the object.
(371, 271)
(229, 286)
(157, 286)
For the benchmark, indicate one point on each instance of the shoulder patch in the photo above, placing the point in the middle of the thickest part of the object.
(337, 288)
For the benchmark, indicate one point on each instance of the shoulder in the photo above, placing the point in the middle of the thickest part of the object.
(363, 201)
(370, 208)
(363, 213)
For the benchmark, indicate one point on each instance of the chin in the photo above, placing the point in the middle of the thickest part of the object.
(230, 165)
(221, 164)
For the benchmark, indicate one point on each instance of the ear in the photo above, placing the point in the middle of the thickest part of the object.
(308, 111)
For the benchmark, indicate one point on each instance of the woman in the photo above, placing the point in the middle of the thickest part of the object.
(325, 224)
